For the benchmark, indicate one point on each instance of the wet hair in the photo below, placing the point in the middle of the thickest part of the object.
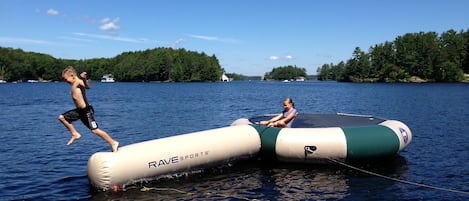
(290, 100)
(69, 70)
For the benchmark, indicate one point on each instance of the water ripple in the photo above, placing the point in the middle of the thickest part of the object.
(37, 165)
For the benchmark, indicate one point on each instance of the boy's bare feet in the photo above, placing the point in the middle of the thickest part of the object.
(115, 145)
(74, 137)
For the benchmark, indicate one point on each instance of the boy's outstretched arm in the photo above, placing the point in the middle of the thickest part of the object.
(84, 75)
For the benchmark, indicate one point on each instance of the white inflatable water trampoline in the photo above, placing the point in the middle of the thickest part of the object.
(313, 138)
(317, 138)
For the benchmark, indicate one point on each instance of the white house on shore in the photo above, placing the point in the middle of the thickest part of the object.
(225, 78)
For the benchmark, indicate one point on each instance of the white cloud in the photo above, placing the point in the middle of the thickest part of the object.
(213, 38)
(273, 58)
(105, 20)
(116, 38)
(75, 39)
(52, 12)
(108, 24)
(178, 42)
(22, 40)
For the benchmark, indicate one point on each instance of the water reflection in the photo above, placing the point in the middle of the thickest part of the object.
(257, 180)
(313, 184)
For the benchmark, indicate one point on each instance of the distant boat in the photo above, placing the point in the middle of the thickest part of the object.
(300, 79)
(108, 78)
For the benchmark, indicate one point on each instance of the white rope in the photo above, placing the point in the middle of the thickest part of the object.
(355, 115)
(183, 192)
(398, 180)
(164, 189)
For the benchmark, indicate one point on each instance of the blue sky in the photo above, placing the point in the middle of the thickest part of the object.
(248, 37)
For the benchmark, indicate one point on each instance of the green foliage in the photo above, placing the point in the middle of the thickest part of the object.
(159, 64)
(285, 73)
(331, 72)
(443, 58)
(19, 65)
(449, 72)
(235, 76)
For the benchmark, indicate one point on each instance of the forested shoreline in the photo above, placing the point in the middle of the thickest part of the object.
(159, 64)
(413, 57)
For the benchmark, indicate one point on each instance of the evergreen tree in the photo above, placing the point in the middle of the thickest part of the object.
(443, 58)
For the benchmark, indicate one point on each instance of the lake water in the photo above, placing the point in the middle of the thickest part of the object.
(37, 165)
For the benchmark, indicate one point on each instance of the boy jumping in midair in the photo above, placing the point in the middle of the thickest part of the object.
(83, 111)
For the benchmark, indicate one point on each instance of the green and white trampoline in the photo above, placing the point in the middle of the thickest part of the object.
(317, 138)
(313, 138)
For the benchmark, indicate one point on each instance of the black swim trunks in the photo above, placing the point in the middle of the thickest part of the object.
(86, 115)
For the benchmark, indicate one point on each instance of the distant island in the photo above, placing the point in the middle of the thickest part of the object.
(413, 57)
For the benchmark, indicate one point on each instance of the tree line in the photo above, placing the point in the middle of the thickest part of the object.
(159, 64)
(426, 56)
(285, 73)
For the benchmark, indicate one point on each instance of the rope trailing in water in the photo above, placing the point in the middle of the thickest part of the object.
(144, 188)
(163, 189)
(398, 180)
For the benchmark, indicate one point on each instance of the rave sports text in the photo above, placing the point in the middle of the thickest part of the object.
(176, 159)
